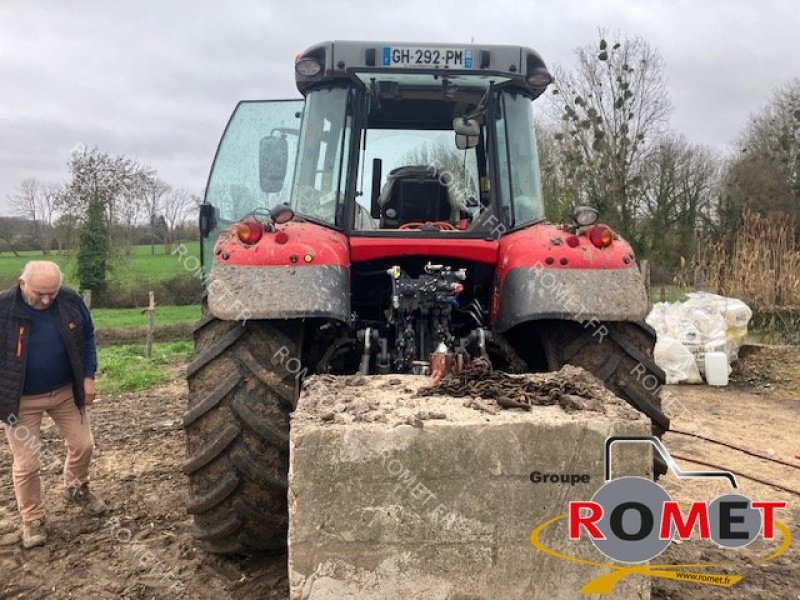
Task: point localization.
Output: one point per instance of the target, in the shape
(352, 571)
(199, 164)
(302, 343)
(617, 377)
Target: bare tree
(8, 234)
(135, 205)
(24, 198)
(117, 183)
(127, 216)
(97, 177)
(51, 196)
(766, 175)
(613, 106)
(679, 184)
(37, 201)
(178, 205)
(559, 195)
(98, 184)
(154, 202)
(66, 230)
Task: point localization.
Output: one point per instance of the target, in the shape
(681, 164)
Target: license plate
(409, 56)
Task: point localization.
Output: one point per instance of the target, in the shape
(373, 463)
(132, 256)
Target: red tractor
(392, 221)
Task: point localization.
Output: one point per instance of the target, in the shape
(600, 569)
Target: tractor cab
(391, 140)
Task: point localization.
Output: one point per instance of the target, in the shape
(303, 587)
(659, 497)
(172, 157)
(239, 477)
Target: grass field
(130, 318)
(139, 266)
(127, 369)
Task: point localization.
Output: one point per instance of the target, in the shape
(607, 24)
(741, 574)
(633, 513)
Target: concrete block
(443, 508)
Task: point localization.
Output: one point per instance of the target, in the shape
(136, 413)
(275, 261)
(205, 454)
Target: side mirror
(467, 132)
(467, 127)
(465, 142)
(273, 157)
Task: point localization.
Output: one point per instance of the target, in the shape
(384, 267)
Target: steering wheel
(420, 226)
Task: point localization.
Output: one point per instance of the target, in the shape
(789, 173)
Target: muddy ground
(759, 411)
(144, 549)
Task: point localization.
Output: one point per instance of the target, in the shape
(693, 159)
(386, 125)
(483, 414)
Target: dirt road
(144, 549)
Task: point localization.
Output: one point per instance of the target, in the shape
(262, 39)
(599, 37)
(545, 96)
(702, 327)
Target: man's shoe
(90, 503)
(33, 534)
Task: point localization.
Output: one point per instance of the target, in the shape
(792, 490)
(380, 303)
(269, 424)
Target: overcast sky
(157, 81)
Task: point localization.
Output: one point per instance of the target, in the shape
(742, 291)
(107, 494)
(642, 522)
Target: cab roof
(349, 60)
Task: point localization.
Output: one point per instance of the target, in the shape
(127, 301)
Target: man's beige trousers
(25, 442)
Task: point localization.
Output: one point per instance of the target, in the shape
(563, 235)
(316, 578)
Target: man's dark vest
(15, 332)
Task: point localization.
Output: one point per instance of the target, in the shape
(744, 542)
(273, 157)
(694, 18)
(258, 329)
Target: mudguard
(303, 272)
(541, 276)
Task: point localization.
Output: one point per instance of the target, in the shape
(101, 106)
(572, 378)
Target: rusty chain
(479, 380)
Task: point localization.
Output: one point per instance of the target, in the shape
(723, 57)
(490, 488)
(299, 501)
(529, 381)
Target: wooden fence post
(151, 323)
(87, 298)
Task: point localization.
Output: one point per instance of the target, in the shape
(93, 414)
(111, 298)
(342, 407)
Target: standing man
(47, 364)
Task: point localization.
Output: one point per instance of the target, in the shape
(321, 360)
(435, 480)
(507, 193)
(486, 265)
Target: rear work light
(584, 216)
(307, 67)
(250, 231)
(601, 236)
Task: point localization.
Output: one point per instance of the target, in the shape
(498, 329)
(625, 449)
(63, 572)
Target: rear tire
(622, 359)
(237, 434)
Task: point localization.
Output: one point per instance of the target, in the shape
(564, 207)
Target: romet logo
(632, 520)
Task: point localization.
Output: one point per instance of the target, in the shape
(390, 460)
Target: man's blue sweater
(47, 367)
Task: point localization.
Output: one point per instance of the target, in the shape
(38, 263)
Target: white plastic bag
(703, 323)
(676, 360)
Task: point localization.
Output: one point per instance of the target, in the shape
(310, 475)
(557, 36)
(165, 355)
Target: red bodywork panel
(545, 245)
(538, 243)
(363, 249)
(309, 244)
(323, 245)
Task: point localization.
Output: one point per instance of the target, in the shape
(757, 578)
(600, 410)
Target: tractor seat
(414, 194)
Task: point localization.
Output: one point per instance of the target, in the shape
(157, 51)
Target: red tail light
(601, 236)
(250, 231)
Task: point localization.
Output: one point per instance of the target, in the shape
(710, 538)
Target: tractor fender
(303, 273)
(541, 276)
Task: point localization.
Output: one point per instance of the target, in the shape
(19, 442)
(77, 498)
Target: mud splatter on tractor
(391, 221)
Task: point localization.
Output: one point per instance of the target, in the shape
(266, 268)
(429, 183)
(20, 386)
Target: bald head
(40, 282)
